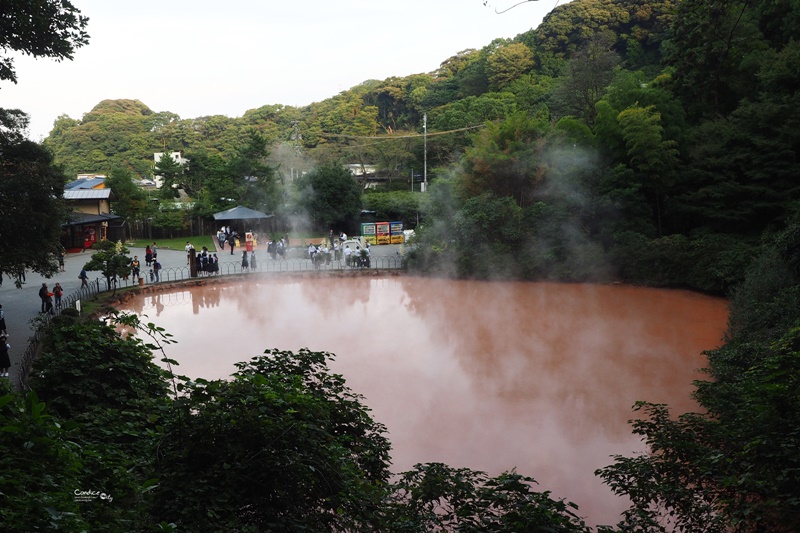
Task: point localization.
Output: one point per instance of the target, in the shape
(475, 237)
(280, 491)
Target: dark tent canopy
(241, 213)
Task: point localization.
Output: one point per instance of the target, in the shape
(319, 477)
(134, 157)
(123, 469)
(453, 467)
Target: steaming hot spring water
(490, 376)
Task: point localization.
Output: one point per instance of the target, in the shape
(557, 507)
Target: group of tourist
(206, 263)
(47, 297)
(229, 236)
(151, 261)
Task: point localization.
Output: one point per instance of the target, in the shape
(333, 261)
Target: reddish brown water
(490, 376)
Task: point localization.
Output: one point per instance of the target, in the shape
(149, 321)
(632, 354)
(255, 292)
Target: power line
(390, 137)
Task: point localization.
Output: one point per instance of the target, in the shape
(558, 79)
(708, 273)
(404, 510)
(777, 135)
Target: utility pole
(425, 152)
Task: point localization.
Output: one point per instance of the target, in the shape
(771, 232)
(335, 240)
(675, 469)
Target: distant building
(91, 219)
(87, 181)
(91, 176)
(361, 170)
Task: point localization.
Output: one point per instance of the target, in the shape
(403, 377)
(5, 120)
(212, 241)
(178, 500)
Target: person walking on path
(83, 276)
(5, 360)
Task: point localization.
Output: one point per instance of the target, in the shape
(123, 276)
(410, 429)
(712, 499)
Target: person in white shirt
(188, 249)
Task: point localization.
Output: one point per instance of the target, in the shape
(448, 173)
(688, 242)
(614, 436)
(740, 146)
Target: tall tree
(170, 172)
(503, 159)
(249, 168)
(31, 188)
(588, 74)
(31, 201)
(713, 50)
(651, 155)
(131, 202)
(507, 63)
(329, 198)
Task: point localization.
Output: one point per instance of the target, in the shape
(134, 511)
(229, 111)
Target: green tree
(733, 467)
(39, 467)
(51, 28)
(257, 180)
(503, 159)
(507, 63)
(31, 201)
(587, 76)
(437, 497)
(171, 173)
(713, 50)
(394, 205)
(212, 186)
(112, 260)
(329, 196)
(132, 203)
(283, 445)
(651, 155)
(105, 386)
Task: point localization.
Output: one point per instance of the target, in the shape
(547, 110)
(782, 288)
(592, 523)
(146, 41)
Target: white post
(425, 152)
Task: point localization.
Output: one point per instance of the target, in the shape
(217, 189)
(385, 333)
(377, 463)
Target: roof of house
(76, 218)
(88, 194)
(240, 213)
(90, 183)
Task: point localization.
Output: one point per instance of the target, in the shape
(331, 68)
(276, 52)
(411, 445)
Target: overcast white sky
(198, 57)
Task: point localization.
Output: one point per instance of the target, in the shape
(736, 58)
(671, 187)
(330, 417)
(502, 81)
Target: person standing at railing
(188, 249)
(156, 269)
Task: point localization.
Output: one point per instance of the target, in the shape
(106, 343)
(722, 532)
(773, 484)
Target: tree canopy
(31, 186)
(50, 28)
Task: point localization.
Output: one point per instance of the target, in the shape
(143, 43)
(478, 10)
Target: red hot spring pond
(490, 376)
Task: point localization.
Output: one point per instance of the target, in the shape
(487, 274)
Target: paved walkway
(22, 305)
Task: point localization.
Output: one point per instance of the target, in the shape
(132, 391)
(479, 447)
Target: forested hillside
(650, 141)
